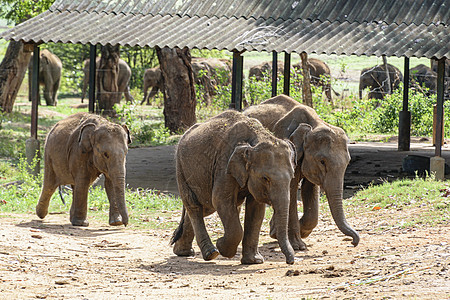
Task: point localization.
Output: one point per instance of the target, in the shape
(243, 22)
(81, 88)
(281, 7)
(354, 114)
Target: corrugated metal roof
(418, 28)
(360, 11)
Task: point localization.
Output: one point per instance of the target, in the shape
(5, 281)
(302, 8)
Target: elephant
(77, 150)
(320, 76)
(153, 79)
(374, 78)
(264, 69)
(123, 80)
(424, 76)
(50, 68)
(322, 158)
(434, 66)
(210, 73)
(219, 164)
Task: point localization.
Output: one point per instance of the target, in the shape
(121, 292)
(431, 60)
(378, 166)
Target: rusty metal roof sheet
(417, 28)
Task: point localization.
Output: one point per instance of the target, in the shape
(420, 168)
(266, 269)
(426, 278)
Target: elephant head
(267, 169)
(322, 156)
(108, 146)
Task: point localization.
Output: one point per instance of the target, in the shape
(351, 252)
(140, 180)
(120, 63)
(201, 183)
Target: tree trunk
(12, 72)
(306, 86)
(388, 88)
(107, 78)
(178, 88)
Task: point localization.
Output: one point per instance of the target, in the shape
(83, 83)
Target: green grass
(419, 201)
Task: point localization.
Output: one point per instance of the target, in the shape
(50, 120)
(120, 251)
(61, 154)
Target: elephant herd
(423, 79)
(209, 73)
(257, 157)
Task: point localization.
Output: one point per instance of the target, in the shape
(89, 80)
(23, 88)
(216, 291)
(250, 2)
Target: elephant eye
(266, 179)
(322, 162)
(105, 154)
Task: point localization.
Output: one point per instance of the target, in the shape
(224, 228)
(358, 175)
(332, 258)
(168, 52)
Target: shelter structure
(408, 28)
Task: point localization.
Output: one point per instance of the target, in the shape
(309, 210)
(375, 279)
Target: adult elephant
(77, 150)
(262, 70)
(322, 158)
(320, 76)
(152, 79)
(122, 82)
(221, 162)
(50, 68)
(424, 76)
(211, 73)
(374, 78)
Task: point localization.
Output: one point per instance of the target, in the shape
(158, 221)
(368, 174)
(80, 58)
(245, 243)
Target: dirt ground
(50, 259)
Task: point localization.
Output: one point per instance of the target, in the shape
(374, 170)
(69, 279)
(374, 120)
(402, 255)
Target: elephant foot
(41, 211)
(251, 259)
(83, 223)
(116, 221)
(304, 233)
(210, 254)
(179, 251)
(298, 244)
(225, 249)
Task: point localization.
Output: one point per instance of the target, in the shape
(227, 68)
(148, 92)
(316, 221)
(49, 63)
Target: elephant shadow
(67, 229)
(195, 265)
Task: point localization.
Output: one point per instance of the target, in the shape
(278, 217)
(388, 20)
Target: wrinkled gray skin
(152, 79)
(322, 158)
(375, 79)
(122, 81)
(77, 150)
(220, 163)
(320, 75)
(50, 68)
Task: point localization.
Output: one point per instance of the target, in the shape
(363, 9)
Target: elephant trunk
(115, 188)
(337, 211)
(281, 211)
(120, 201)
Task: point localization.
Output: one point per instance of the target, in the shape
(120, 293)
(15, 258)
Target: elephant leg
(127, 93)
(183, 244)
(48, 189)
(254, 216)
(327, 89)
(233, 233)
(55, 92)
(153, 93)
(78, 209)
(310, 198)
(115, 219)
(209, 251)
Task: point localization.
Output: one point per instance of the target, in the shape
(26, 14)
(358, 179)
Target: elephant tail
(179, 231)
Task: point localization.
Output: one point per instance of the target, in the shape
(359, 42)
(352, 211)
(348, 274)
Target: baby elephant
(77, 150)
(220, 163)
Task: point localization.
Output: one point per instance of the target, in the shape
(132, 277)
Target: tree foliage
(17, 11)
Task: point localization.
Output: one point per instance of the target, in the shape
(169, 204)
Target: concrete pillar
(437, 167)
(33, 153)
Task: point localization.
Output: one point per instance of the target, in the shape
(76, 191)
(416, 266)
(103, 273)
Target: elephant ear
(298, 138)
(125, 127)
(287, 124)
(85, 137)
(238, 164)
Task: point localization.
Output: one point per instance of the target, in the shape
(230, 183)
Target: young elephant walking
(322, 158)
(77, 150)
(220, 163)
